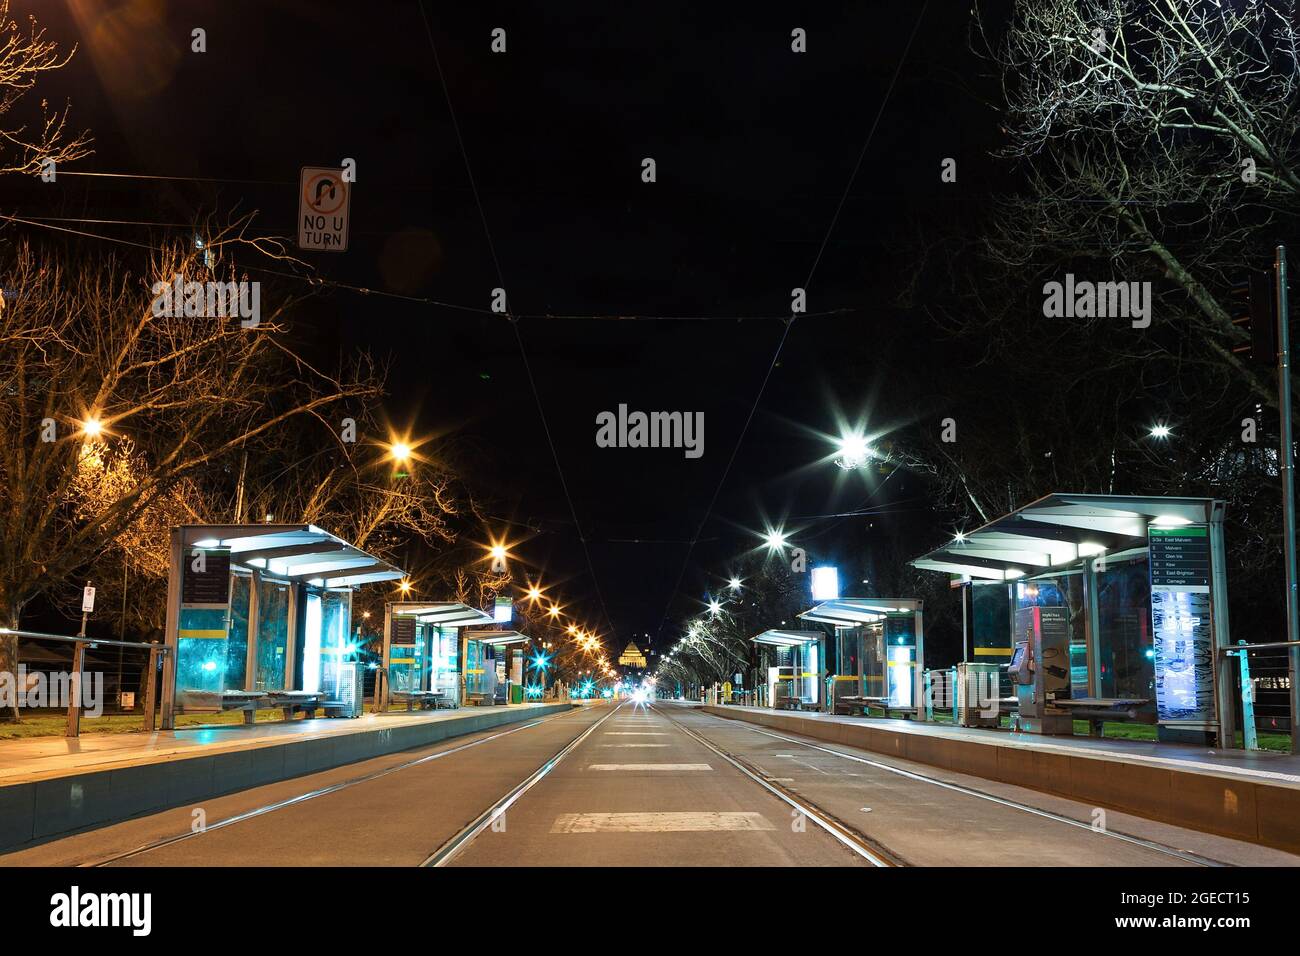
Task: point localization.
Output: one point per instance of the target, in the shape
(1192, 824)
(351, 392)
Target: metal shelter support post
(150, 694)
(254, 629)
(1092, 636)
(1092, 626)
(171, 635)
(918, 626)
(383, 693)
(1225, 711)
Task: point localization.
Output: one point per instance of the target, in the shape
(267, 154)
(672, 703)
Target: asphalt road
(638, 786)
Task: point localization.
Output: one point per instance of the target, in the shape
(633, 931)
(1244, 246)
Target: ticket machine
(1040, 669)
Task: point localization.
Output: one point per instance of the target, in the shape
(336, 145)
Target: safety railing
(76, 673)
(1265, 688)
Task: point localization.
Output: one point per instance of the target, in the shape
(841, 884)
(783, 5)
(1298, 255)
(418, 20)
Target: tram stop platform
(52, 786)
(1247, 795)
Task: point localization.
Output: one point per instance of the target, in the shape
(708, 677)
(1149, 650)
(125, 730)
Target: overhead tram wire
(785, 334)
(321, 282)
(514, 321)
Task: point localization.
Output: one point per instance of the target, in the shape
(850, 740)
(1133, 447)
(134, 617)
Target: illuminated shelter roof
(497, 638)
(445, 613)
(1057, 531)
(848, 612)
(782, 638)
(298, 552)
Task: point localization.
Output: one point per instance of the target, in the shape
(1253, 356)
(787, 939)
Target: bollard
(1249, 734)
(150, 678)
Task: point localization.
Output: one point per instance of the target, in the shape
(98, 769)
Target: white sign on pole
(323, 202)
(87, 599)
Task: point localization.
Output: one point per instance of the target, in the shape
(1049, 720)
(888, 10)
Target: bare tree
(1159, 139)
(28, 145)
(86, 359)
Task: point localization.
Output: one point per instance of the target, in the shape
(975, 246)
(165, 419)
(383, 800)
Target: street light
(1160, 431)
(734, 584)
(855, 451)
(92, 427)
(774, 539)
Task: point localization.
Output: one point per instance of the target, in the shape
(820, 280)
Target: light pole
(1286, 465)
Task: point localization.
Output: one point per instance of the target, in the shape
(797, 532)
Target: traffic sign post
(324, 199)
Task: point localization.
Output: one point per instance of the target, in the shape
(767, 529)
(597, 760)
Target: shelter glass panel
(1062, 590)
(1125, 645)
(237, 643)
(272, 634)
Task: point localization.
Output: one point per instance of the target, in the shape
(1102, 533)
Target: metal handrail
(162, 648)
(80, 643)
(1256, 647)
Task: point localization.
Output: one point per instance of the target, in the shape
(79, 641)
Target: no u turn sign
(323, 201)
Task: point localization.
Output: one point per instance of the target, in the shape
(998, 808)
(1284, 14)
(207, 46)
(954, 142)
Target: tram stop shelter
(500, 654)
(792, 662)
(878, 651)
(427, 661)
(1128, 594)
(260, 615)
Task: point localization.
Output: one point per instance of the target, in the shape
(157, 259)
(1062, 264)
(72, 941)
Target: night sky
(755, 148)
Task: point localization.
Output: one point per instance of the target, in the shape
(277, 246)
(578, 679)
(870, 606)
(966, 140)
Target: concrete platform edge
(41, 810)
(1255, 811)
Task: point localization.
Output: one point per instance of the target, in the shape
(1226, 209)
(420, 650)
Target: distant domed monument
(632, 656)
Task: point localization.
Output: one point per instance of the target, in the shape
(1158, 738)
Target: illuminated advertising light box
(825, 584)
(504, 610)
(1181, 624)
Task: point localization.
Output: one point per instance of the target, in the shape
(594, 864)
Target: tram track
(301, 798)
(1107, 833)
(445, 853)
(853, 839)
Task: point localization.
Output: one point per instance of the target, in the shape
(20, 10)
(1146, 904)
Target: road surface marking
(634, 733)
(649, 766)
(658, 822)
(634, 745)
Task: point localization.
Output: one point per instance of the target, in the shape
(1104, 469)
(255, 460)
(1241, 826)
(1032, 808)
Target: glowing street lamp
(1160, 431)
(92, 427)
(734, 584)
(775, 539)
(854, 451)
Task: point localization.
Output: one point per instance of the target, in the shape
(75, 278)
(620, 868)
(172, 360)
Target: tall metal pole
(1287, 467)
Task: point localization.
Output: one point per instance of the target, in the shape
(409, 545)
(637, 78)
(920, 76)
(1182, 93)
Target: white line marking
(634, 745)
(649, 766)
(658, 822)
(634, 733)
